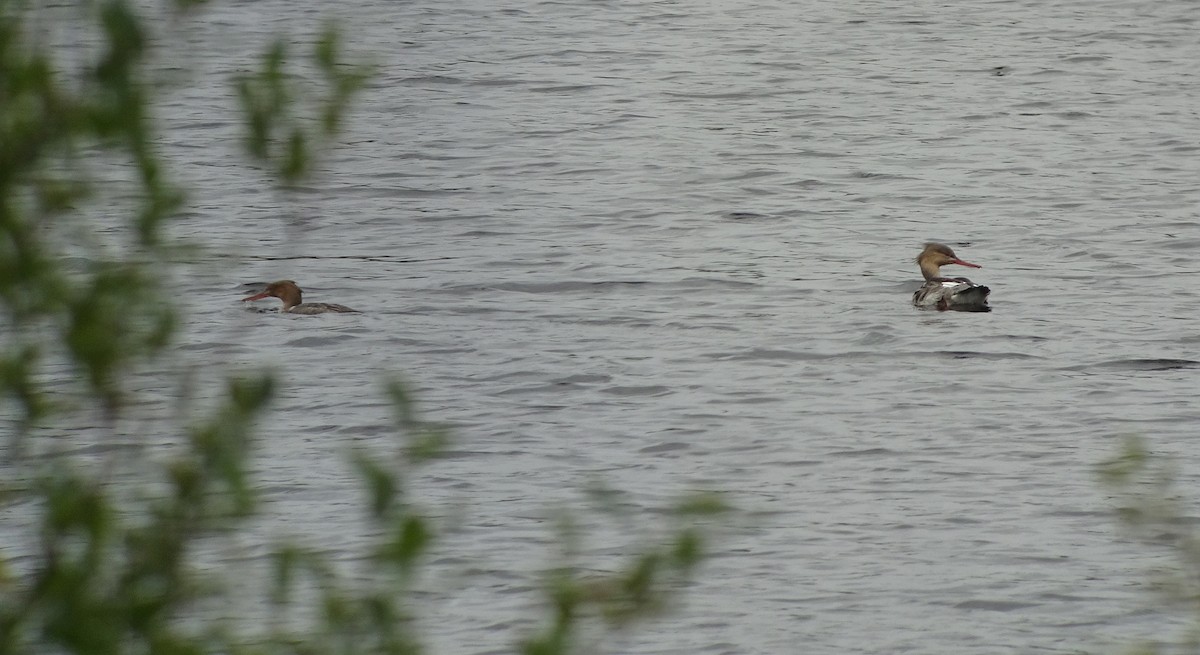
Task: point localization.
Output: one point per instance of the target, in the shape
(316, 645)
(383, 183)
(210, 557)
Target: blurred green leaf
(17, 378)
(381, 484)
(410, 538)
(126, 44)
(285, 560)
(402, 404)
(428, 442)
(326, 51)
(689, 548)
(702, 504)
(1131, 461)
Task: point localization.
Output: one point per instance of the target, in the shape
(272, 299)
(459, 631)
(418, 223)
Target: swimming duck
(947, 292)
(292, 297)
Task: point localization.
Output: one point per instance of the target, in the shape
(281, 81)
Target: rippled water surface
(670, 246)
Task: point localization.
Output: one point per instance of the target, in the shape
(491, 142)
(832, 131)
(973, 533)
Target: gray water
(670, 246)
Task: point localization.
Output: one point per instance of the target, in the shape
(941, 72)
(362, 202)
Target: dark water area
(670, 246)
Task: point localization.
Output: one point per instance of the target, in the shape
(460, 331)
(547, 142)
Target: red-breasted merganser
(947, 292)
(290, 294)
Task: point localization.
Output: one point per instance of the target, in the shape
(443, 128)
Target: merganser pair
(290, 294)
(957, 293)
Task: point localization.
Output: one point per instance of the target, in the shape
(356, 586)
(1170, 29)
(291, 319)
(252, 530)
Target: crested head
(285, 290)
(936, 251)
(936, 255)
(274, 288)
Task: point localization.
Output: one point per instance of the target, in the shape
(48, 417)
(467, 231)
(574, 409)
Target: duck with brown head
(939, 292)
(292, 297)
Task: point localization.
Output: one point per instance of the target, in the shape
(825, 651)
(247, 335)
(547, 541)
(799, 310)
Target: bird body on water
(293, 300)
(939, 292)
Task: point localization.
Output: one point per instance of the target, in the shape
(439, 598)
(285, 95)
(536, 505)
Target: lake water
(670, 245)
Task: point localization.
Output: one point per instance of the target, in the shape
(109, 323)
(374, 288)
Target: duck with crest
(292, 297)
(939, 292)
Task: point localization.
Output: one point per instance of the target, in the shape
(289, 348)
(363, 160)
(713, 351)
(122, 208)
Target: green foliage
(109, 315)
(108, 563)
(426, 440)
(110, 577)
(641, 589)
(1150, 506)
(277, 135)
